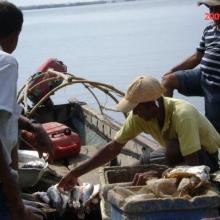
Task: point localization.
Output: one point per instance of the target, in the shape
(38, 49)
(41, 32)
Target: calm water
(112, 43)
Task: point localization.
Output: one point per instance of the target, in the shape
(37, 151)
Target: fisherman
(11, 205)
(205, 80)
(187, 135)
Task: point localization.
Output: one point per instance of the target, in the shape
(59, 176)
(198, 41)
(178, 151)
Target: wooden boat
(94, 126)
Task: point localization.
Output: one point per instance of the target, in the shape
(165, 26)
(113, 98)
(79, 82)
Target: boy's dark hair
(11, 19)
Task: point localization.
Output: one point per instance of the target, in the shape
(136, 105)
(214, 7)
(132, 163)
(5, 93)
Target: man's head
(214, 8)
(11, 20)
(141, 97)
(209, 2)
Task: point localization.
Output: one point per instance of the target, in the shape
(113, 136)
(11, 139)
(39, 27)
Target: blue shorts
(189, 81)
(4, 211)
(193, 83)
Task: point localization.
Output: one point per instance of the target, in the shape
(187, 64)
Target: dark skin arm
(170, 80)
(174, 156)
(192, 159)
(43, 142)
(12, 192)
(189, 63)
(14, 156)
(141, 178)
(104, 155)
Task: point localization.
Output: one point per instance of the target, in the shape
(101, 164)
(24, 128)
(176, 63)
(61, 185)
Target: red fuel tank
(65, 142)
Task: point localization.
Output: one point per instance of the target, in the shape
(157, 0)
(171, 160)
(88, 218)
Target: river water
(112, 43)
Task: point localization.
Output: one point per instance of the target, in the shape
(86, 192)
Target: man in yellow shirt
(188, 137)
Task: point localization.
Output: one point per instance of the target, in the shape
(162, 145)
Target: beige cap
(209, 2)
(142, 89)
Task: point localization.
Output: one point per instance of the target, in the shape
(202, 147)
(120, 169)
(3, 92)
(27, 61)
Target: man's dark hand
(141, 178)
(43, 142)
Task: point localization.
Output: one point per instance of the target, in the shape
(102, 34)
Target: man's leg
(212, 112)
(187, 82)
(174, 156)
(212, 102)
(170, 82)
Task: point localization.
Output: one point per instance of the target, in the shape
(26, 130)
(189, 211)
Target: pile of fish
(80, 198)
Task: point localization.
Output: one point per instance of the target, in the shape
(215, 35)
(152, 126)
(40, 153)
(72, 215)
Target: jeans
(193, 83)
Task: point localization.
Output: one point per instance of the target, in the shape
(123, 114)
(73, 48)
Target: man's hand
(141, 178)
(43, 142)
(167, 73)
(35, 135)
(67, 182)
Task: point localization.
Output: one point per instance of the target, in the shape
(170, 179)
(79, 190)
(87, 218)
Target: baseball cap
(209, 2)
(142, 89)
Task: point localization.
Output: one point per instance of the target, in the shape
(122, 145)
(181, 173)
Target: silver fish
(35, 204)
(58, 200)
(55, 197)
(86, 192)
(74, 198)
(95, 193)
(42, 196)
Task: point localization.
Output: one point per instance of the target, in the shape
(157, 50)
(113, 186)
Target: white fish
(59, 200)
(202, 172)
(55, 197)
(86, 192)
(96, 191)
(74, 198)
(42, 196)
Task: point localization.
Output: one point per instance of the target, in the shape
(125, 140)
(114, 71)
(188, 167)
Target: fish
(86, 192)
(54, 196)
(35, 204)
(74, 198)
(95, 193)
(202, 172)
(58, 200)
(95, 196)
(42, 196)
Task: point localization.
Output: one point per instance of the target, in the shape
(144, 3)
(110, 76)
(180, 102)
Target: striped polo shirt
(210, 46)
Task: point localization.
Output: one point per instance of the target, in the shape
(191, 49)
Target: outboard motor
(39, 86)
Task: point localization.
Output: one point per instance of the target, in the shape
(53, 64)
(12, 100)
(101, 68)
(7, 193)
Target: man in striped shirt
(205, 80)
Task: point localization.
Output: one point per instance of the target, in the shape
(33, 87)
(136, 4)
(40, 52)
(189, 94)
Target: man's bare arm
(104, 155)
(189, 63)
(192, 159)
(10, 185)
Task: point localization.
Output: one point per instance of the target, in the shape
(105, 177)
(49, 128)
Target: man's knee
(170, 82)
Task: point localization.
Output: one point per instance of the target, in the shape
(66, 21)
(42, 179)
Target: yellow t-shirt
(182, 122)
